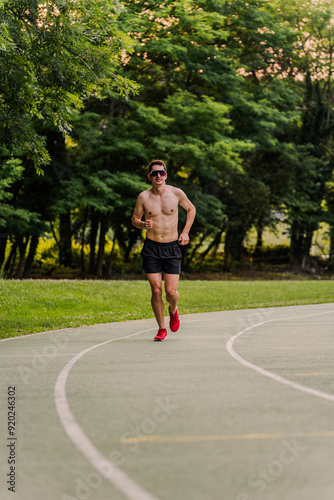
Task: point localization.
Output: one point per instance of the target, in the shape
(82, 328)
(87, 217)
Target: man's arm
(191, 213)
(138, 214)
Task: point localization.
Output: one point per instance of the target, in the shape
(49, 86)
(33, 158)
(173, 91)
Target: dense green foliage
(235, 96)
(35, 305)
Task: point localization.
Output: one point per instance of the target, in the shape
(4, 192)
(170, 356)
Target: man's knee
(171, 294)
(156, 291)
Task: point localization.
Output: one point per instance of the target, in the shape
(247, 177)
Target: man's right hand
(148, 223)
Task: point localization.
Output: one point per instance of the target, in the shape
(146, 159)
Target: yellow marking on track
(314, 374)
(157, 438)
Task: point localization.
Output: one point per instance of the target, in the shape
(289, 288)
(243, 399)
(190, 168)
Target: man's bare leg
(172, 295)
(158, 306)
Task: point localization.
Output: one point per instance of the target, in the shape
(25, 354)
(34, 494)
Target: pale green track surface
(183, 419)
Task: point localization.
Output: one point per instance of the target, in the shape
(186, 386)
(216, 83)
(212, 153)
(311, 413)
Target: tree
(178, 114)
(53, 55)
(17, 223)
(235, 96)
(312, 64)
(198, 111)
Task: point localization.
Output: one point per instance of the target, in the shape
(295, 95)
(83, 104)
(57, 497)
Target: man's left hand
(184, 238)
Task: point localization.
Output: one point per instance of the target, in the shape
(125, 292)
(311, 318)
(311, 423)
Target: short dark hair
(159, 163)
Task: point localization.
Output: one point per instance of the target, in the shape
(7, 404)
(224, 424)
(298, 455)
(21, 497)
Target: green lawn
(35, 306)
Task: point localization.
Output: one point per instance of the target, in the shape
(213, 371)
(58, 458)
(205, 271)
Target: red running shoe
(174, 322)
(161, 335)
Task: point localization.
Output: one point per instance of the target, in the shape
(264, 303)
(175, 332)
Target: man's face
(157, 176)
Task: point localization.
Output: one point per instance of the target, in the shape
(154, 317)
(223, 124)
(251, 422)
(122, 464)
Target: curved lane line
(107, 469)
(266, 373)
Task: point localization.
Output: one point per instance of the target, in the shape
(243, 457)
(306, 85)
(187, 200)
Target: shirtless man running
(161, 252)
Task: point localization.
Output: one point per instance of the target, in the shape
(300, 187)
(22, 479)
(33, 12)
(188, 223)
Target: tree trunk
(10, 262)
(82, 251)
(22, 251)
(301, 243)
(296, 245)
(132, 239)
(102, 242)
(111, 257)
(189, 258)
(331, 249)
(233, 245)
(307, 248)
(31, 255)
(65, 240)
(259, 242)
(3, 245)
(94, 225)
(214, 243)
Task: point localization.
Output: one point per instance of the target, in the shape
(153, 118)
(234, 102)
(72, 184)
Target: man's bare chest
(164, 205)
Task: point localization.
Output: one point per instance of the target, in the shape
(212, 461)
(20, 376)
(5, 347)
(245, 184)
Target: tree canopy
(235, 96)
(53, 56)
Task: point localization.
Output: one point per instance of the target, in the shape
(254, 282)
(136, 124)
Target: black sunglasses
(154, 173)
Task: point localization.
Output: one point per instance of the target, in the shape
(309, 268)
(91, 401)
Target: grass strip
(41, 305)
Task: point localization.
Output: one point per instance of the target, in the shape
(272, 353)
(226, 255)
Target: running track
(237, 405)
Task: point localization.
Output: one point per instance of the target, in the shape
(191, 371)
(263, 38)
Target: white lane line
(274, 376)
(107, 469)
(31, 335)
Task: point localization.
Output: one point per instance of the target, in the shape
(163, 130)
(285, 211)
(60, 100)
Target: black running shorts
(165, 257)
